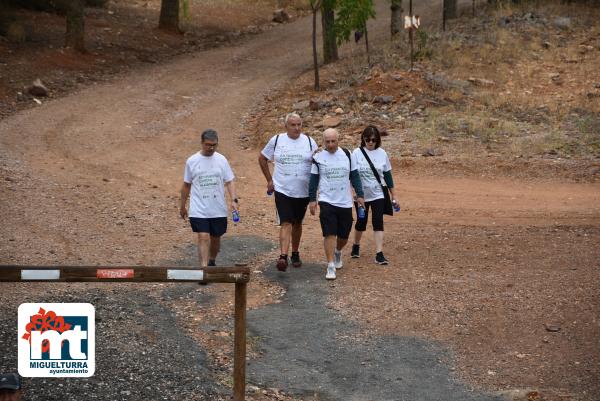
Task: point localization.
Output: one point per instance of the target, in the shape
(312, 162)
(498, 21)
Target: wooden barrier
(110, 274)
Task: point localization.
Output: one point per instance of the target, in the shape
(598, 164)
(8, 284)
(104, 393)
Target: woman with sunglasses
(370, 147)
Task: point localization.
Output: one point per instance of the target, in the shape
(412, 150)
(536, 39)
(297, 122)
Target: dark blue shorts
(216, 226)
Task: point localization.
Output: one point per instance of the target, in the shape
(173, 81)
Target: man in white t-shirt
(332, 173)
(291, 152)
(207, 175)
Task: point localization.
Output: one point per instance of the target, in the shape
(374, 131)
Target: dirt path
(93, 179)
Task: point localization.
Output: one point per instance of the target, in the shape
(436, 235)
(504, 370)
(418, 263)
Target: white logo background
(80, 364)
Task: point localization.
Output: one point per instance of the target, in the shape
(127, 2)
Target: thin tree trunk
(169, 15)
(75, 34)
(367, 45)
(396, 20)
(450, 9)
(330, 50)
(314, 45)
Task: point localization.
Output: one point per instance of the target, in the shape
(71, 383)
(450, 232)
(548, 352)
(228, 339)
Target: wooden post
(239, 352)
(239, 275)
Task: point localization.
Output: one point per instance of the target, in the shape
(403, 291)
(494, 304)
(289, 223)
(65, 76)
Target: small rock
(331, 121)
(481, 81)
(315, 104)
(432, 152)
(304, 104)
(383, 99)
(280, 16)
(562, 22)
(553, 328)
(37, 88)
(339, 110)
(546, 45)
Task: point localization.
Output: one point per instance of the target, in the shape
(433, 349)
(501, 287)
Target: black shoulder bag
(387, 202)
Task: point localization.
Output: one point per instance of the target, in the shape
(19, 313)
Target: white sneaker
(330, 272)
(337, 259)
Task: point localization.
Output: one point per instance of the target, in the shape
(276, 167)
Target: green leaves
(352, 15)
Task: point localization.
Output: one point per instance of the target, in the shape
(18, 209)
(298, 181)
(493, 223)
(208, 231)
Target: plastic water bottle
(396, 205)
(361, 212)
(235, 216)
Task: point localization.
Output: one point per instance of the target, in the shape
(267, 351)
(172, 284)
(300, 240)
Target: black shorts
(376, 207)
(290, 210)
(216, 226)
(335, 220)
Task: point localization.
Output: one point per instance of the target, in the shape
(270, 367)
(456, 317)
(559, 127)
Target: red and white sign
(114, 273)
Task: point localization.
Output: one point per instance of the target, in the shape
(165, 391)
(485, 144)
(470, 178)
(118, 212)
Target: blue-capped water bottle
(361, 212)
(235, 216)
(396, 205)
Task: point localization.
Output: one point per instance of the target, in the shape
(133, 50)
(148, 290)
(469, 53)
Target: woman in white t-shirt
(370, 147)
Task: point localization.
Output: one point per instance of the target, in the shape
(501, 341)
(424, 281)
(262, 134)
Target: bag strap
(347, 152)
(375, 173)
(309, 142)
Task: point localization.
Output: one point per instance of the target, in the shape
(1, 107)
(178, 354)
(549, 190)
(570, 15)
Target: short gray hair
(209, 134)
(291, 115)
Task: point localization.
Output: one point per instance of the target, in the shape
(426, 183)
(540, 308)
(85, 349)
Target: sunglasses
(370, 140)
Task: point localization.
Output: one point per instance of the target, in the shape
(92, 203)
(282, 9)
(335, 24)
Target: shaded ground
(311, 351)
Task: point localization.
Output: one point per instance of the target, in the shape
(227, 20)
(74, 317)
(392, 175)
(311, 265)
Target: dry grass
(545, 82)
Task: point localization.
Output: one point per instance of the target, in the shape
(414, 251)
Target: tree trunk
(396, 20)
(367, 45)
(75, 34)
(330, 50)
(169, 15)
(314, 46)
(450, 9)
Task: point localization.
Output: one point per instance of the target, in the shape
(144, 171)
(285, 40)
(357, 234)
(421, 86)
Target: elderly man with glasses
(207, 175)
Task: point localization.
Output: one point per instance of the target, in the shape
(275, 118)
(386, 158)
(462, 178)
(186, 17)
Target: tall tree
(396, 20)
(353, 16)
(169, 15)
(330, 50)
(314, 6)
(75, 33)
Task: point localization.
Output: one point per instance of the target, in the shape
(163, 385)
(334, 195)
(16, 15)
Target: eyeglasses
(370, 140)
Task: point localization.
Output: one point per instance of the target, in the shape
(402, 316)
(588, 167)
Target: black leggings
(377, 216)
